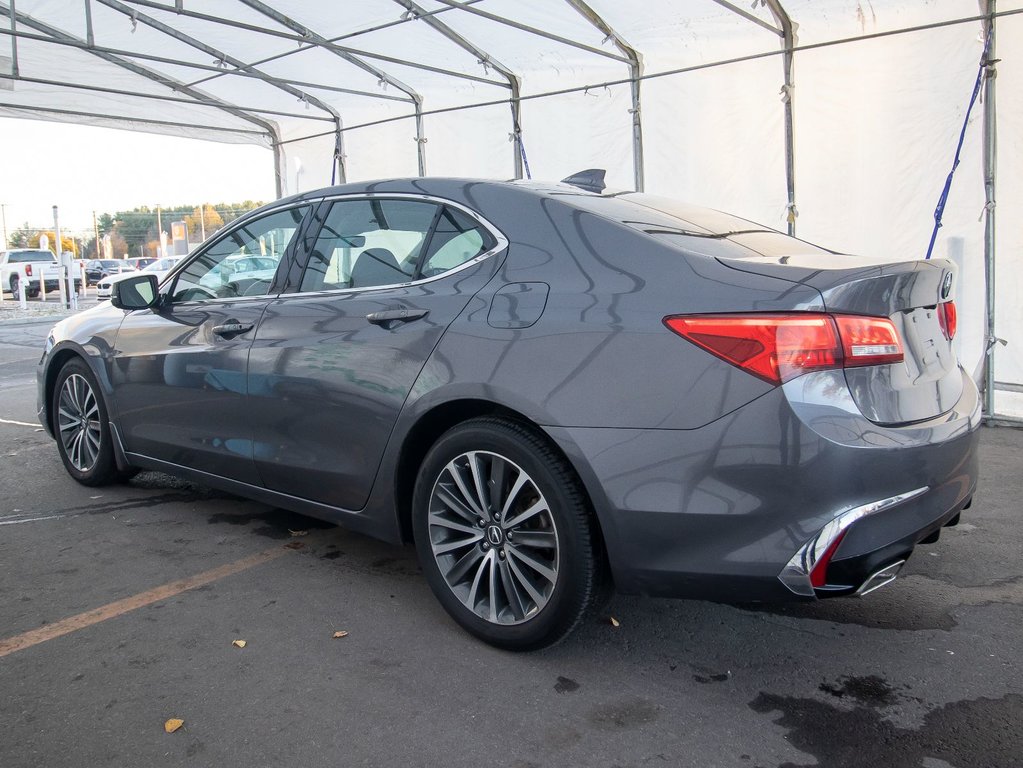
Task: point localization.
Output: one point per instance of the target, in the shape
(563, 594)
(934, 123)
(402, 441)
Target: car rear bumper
(720, 512)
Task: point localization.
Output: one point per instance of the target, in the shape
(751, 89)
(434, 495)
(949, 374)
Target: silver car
(553, 390)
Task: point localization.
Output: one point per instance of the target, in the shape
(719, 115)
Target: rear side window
(367, 243)
(457, 239)
(26, 257)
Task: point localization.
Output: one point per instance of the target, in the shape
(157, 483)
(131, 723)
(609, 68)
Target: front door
(179, 370)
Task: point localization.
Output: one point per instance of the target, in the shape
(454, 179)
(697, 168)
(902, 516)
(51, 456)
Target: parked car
(159, 267)
(141, 261)
(97, 269)
(552, 391)
(33, 265)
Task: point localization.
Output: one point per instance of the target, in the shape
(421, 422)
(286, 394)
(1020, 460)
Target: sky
(83, 169)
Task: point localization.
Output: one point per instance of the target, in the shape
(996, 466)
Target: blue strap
(940, 210)
(522, 151)
(337, 159)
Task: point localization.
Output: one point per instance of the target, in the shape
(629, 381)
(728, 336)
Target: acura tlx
(554, 390)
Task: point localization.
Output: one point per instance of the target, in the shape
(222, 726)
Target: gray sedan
(553, 390)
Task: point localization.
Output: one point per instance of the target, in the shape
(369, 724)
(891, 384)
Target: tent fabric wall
(876, 115)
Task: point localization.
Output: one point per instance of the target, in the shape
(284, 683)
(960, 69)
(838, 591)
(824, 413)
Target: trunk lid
(928, 383)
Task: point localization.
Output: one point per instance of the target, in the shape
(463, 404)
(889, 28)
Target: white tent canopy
(835, 119)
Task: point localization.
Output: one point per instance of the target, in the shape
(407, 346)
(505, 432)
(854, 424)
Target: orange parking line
(119, 607)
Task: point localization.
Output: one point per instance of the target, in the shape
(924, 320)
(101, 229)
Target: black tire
(86, 450)
(519, 621)
(15, 280)
(31, 294)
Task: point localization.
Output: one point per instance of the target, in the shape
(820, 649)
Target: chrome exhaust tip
(880, 578)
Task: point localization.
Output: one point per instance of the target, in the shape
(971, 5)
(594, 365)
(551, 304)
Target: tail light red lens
(28, 270)
(779, 347)
(947, 319)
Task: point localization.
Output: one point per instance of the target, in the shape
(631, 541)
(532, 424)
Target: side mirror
(135, 292)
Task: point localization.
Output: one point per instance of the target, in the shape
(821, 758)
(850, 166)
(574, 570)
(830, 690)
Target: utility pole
(3, 213)
(202, 220)
(95, 229)
(159, 234)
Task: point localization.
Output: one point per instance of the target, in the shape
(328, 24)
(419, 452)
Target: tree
(68, 243)
(210, 218)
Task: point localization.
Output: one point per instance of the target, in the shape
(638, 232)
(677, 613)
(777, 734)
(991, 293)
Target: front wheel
(506, 536)
(82, 427)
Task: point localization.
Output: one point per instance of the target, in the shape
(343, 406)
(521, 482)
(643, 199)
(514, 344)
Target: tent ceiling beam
(750, 17)
(307, 98)
(533, 30)
(514, 83)
(126, 54)
(372, 69)
(319, 42)
(635, 76)
(127, 118)
(195, 101)
(338, 38)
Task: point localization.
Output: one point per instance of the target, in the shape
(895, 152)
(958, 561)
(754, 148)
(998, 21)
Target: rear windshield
(24, 257)
(694, 228)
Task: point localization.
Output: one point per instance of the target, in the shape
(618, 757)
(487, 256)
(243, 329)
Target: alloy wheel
(78, 422)
(493, 537)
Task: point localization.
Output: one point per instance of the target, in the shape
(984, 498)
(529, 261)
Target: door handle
(232, 328)
(403, 315)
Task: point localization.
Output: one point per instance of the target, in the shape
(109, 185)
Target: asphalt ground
(119, 605)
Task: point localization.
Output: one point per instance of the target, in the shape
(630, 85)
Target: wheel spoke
(444, 495)
(463, 566)
(493, 590)
(517, 486)
(470, 601)
(522, 579)
(538, 506)
(451, 546)
(511, 591)
(536, 565)
(456, 475)
(536, 539)
(436, 519)
(477, 481)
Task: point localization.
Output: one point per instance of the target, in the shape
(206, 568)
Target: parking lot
(119, 607)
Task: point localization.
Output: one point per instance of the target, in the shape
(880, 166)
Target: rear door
(178, 371)
(335, 358)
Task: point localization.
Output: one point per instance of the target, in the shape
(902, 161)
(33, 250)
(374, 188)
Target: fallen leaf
(173, 724)
(238, 643)
(294, 545)
(340, 633)
(615, 622)
(298, 533)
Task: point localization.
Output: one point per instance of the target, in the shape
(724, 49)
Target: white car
(160, 267)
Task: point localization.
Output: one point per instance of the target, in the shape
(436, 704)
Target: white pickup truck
(30, 265)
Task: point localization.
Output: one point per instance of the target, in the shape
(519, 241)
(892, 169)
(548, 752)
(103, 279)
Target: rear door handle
(232, 328)
(395, 316)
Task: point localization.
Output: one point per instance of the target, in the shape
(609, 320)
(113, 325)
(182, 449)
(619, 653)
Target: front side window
(243, 262)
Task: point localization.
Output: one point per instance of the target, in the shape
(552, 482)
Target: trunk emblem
(946, 286)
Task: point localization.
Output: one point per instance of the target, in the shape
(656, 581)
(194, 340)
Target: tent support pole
(635, 61)
(990, 158)
(788, 93)
(278, 164)
(420, 138)
(14, 40)
(486, 60)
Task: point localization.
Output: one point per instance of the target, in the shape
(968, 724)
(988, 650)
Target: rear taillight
(947, 319)
(28, 270)
(779, 347)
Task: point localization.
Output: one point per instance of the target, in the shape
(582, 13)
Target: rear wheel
(505, 535)
(82, 428)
